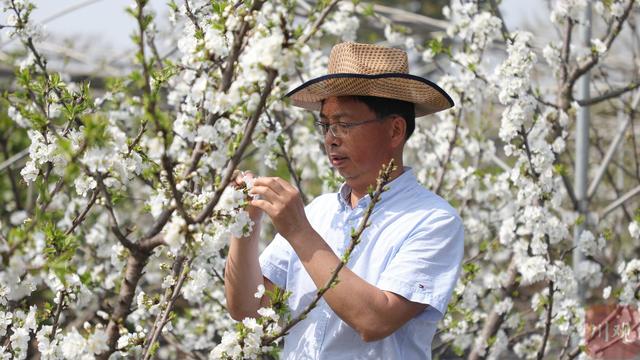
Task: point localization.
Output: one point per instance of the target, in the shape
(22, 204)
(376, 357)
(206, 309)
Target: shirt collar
(406, 179)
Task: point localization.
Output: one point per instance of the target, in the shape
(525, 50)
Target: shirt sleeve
(274, 261)
(426, 267)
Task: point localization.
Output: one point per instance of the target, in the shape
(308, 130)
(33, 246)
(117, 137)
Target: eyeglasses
(339, 129)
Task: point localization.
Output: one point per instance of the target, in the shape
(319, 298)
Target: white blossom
(588, 243)
(20, 341)
(533, 269)
(5, 321)
(617, 8)
(260, 292)
(343, 23)
(84, 183)
(193, 289)
(599, 47)
(634, 230)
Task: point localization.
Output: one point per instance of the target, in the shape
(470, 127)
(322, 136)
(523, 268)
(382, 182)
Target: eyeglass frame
(319, 125)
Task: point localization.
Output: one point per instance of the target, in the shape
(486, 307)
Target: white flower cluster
(343, 23)
(249, 344)
(609, 9)
(528, 348)
(589, 245)
(42, 151)
(513, 78)
(567, 9)
(630, 279)
(113, 158)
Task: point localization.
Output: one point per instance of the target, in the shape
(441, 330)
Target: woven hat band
(367, 59)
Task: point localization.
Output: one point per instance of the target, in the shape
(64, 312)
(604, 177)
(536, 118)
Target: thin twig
(167, 310)
(234, 52)
(115, 228)
(594, 58)
(609, 95)
(566, 50)
(80, 218)
(444, 164)
(494, 320)
(547, 325)
(56, 317)
(503, 25)
(12, 176)
(14, 159)
(177, 194)
(316, 25)
(289, 161)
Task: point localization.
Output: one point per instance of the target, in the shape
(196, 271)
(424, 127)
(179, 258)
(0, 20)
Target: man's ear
(398, 130)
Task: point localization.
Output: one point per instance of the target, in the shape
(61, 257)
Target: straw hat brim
(427, 96)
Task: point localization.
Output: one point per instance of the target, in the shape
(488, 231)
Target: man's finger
(286, 185)
(265, 192)
(264, 205)
(271, 182)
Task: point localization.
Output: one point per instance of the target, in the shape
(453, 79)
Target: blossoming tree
(113, 233)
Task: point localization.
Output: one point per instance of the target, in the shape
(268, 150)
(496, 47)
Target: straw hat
(371, 70)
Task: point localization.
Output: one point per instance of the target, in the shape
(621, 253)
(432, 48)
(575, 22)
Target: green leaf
(95, 129)
(368, 10)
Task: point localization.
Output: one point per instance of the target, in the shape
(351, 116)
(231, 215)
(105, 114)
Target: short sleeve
(274, 261)
(426, 267)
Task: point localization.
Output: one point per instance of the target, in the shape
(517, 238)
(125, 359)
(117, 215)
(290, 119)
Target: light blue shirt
(413, 248)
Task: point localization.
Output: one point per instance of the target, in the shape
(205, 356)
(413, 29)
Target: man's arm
(372, 312)
(242, 273)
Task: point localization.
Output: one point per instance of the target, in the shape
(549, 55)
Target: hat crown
(356, 58)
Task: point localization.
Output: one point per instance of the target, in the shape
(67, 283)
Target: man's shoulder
(424, 201)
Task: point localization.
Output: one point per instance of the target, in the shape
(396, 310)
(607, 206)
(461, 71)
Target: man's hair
(383, 107)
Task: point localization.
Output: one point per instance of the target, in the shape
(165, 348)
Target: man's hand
(242, 179)
(282, 202)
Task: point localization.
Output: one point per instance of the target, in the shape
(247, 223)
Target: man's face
(359, 155)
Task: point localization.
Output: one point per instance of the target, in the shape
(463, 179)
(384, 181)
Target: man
(399, 279)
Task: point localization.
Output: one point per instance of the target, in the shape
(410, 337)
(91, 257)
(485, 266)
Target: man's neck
(359, 193)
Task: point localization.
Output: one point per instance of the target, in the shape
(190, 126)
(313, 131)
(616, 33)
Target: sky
(107, 23)
(105, 28)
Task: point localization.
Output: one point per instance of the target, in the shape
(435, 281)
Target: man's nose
(331, 140)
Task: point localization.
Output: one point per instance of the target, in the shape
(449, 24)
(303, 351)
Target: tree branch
(177, 195)
(547, 325)
(609, 95)
(246, 140)
(134, 268)
(494, 320)
(594, 58)
(14, 159)
(115, 228)
(80, 218)
(56, 317)
(316, 25)
(444, 164)
(234, 52)
(164, 315)
(289, 162)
